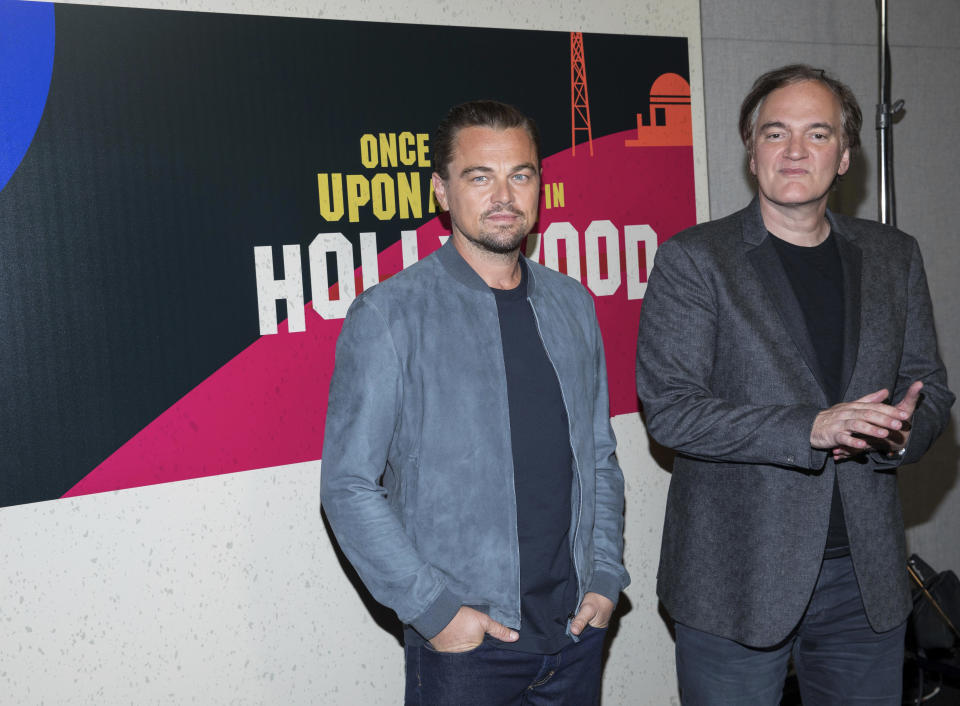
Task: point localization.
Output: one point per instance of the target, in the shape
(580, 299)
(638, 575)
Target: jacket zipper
(573, 452)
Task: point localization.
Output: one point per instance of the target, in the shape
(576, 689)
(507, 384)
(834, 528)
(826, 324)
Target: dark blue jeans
(839, 659)
(492, 676)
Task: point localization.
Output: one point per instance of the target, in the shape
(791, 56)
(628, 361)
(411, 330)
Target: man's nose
(796, 147)
(502, 191)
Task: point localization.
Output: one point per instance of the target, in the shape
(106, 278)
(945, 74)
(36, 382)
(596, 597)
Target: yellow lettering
(368, 151)
(408, 191)
(422, 149)
(330, 208)
(557, 189)
(384, 201)
(553, 195)
(358, 194)
(408, 156)
(388, 149)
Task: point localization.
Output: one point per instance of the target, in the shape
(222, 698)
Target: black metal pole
(885, 113)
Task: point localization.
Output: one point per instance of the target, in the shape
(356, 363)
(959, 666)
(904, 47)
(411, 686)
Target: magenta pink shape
(267, 406)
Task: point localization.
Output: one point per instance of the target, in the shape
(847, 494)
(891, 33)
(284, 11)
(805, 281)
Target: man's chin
(500, 244)
(798, 199)
(501, 248)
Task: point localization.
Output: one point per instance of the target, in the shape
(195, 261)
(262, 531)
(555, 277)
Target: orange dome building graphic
(669, 115)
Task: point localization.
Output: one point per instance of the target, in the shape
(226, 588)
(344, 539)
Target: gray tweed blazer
(729, 379)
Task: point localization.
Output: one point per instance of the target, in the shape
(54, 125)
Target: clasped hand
(851, 428)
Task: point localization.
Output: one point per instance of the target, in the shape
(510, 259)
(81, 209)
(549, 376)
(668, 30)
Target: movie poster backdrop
(190, 201)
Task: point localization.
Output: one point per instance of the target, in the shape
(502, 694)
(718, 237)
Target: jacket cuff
(438, 615)
(818, 458)
(607, 585)
(885, 461)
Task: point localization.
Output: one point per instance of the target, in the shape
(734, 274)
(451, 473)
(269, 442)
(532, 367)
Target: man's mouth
(502, 215)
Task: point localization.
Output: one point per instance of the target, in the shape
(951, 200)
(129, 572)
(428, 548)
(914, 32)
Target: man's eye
(521, 177)
(819, 136)
(773, 135)
(479, 180)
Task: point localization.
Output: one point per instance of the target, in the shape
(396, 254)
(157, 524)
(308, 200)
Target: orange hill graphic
(669, 115)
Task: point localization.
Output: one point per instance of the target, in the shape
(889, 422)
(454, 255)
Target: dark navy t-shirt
(543, 477)
(816, 275)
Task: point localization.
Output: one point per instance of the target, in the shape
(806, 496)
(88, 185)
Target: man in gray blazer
(788, 355)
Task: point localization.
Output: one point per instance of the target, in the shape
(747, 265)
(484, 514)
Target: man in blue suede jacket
(469, 471)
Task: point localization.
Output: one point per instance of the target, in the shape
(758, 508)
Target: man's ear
(440, 191)
(844, 162)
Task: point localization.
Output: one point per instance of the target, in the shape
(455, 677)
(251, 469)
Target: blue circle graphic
(26, 65)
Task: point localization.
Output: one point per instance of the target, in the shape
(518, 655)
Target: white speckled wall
(743, 39)
(226, 590)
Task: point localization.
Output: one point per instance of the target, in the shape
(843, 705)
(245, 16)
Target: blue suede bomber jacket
(417, 476)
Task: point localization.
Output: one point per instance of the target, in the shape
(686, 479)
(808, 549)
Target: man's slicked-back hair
(850, 116)
(481, 113)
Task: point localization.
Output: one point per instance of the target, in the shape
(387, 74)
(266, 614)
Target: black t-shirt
(816, 275)
(543, 477)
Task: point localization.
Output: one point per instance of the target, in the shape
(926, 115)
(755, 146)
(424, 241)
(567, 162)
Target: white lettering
(321, 248)
(633, 236)
(551, 248)
(270, 290)
(409, 247)
(369, 265)
(290, 287)
(602, 286)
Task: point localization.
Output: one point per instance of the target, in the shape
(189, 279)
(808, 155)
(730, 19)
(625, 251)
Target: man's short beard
(500, 247)
(489, 241)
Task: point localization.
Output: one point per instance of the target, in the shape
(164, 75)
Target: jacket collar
(460, 270)
(767, 264)
(755, 232)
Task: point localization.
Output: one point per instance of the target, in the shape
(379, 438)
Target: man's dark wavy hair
(851, 118)
(480, 113)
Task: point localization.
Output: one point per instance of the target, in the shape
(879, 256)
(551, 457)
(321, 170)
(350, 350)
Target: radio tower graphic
(579, 98)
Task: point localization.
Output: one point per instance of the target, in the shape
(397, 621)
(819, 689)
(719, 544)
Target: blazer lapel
(851, 257)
